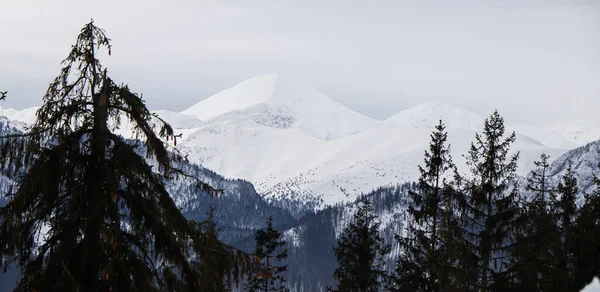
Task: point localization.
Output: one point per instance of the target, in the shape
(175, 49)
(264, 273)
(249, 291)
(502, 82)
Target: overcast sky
(535, 61)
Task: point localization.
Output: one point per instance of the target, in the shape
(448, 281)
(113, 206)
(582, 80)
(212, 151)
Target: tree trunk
(98, 192)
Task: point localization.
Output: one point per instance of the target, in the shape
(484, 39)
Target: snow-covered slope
(292, 141)
(567, 136)
(585, 161)
(179, 120)
(271, 100)
(579, 132)
(384, 156)
(429, 113)
(26, 116)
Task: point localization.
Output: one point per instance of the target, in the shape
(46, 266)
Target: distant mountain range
(294, 143)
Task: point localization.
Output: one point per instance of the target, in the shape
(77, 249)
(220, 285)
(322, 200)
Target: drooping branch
(97, 199)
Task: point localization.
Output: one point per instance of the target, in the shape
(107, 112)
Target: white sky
(535, 61)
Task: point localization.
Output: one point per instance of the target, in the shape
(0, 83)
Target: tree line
(480, 231)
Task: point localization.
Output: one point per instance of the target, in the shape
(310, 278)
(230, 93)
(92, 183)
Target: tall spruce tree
(89, 213)
(360, 254)
(423, 264)
(270, 249)
(532, 254)
(488, 209)
(565, 211)
(213, 260)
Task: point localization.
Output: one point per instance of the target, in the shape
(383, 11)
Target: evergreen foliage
(539, 185)
(488, 210)
(586, 242)
(270, 249)
(565, 211)
(89, 213)
(423, 262)
(360, 254)
(532, 254)
(214, 262)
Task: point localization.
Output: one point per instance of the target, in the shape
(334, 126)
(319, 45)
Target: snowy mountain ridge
(293, 142)
(429, 113)
(25, 116)
(286, 103)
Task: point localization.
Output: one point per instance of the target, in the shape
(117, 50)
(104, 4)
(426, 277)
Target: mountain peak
(26, 116)
(429, 113)
(270, 96)
(271, 89)
(246, 93)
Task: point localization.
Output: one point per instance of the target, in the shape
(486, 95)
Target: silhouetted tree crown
(360, 252)
(270, 251)
(89, 213)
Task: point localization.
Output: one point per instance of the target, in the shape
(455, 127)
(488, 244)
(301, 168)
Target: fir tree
(89, 213)
(488, 209)
(270, 249)
(538, 183)
(360, 254)
(565, 211)
(532, 254)
(423, 264)
(213, 259)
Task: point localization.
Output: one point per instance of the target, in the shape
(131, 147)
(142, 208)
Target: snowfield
(292, 141)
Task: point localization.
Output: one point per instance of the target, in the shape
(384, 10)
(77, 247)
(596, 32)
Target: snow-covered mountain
(295, 143)
(26, 116)
(584, 160)
(566, 136)
(272, 101)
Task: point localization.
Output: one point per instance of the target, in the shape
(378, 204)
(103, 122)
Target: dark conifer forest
(86, 209)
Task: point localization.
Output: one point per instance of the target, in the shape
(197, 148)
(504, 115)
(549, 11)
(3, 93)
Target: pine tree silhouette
(270, 249)
(488, 209)
(89, 213)
(424, 261)
(565, 211)
(213, 260)
(532, 254)
(587, 238)
(360, 254)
